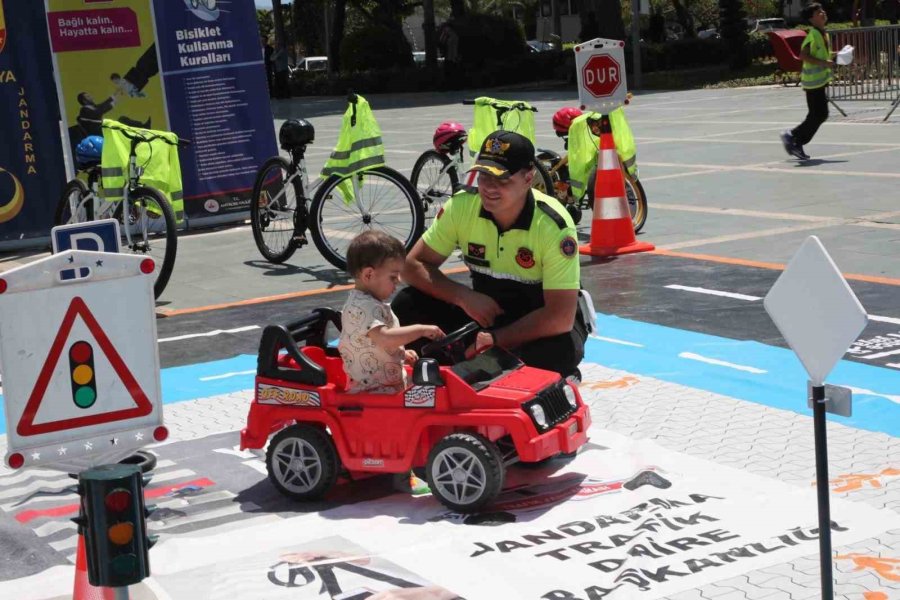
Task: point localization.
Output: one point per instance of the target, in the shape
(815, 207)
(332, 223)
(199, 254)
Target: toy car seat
(786, 44)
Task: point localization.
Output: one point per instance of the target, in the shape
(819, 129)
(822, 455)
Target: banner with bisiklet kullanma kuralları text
(32, 169)
(216, 91)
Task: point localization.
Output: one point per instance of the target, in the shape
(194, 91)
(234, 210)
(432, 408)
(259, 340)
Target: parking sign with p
(94, 236)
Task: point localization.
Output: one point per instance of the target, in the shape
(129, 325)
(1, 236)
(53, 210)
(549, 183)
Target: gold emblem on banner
(11, 207)
(2, 27)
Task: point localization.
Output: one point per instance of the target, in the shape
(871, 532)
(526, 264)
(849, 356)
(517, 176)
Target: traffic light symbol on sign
(81, 367)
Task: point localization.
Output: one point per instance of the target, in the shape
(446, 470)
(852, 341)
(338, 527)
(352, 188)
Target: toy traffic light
(114, 522)
(81, 367)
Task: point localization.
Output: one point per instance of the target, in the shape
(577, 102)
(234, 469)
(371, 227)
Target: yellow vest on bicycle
(158, 158)
(519, 118)
(584, 147)
(359, 146)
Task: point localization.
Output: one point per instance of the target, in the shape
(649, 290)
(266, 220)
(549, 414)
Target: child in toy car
(371, 343)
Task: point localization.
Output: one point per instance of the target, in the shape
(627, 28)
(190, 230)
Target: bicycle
(343, 204)
(435, 175)
(146, 219)
(575, 204)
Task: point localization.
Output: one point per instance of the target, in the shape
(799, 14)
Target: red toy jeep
(464, 423)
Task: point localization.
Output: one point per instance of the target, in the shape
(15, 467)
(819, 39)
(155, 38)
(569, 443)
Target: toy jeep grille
(554, 403)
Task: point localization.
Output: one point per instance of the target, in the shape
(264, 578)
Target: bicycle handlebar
(515, 106)
(149, 137)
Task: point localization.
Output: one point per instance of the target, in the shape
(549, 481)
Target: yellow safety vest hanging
(813, 76)
(158, 158)
(519, 118)
(584, 147)
(359, 146)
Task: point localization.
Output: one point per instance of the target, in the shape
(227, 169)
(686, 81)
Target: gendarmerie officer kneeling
(521, 249)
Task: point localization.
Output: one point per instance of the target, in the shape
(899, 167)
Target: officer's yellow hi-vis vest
(359, 146)
(158, 158)
(519, 118)
(584, 148)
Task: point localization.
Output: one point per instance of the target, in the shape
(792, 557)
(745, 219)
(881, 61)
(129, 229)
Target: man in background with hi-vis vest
(817, 64)
(522, 252)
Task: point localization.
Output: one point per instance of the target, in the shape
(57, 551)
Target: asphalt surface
(727, 211)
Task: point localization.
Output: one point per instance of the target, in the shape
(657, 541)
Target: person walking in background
(817, 64)
(268, 51)
(280, 66)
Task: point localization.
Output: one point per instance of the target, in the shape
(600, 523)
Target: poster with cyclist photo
(107, 65)
(213, 70)
(32, 172)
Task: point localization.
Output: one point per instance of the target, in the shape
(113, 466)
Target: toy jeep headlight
(537, 412)
(570, 395)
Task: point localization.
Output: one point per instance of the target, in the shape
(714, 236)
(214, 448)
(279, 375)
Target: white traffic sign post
(819, 316)
(600, 70)
(80, 360)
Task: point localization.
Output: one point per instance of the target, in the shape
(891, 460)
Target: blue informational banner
(32, 168)
(217, 97)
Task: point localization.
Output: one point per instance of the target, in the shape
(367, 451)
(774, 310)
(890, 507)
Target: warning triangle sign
(142, 405)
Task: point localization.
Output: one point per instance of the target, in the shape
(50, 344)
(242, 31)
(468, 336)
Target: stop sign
(601, 75)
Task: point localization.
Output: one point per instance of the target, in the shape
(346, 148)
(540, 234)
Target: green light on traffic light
(124, 565)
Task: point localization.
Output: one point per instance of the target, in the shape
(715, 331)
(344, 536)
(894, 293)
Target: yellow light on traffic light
(121, 533)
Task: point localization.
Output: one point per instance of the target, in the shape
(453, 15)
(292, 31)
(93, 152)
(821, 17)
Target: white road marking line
(700, 290)
(66, 544)
(53, 527)
(20, 504)
(737, 212)
(208, 333)
(40, 484)
(749, 235)
(893, 398)
(162, 525)
(615, 341)
(721, 363)
(891, 320)
(17, 477)
(880, 354)
(227, 375)
(895, 365)
(183, 501)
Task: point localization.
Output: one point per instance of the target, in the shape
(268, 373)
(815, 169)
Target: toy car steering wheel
(453, 345)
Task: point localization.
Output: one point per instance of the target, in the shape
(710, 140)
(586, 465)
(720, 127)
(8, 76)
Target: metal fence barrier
(874, 73)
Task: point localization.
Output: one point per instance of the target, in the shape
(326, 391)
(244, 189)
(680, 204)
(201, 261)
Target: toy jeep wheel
(302, 462)
(464, 471)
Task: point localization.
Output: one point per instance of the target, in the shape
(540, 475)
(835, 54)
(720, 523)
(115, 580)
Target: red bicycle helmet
(448, 136)
(562, 120)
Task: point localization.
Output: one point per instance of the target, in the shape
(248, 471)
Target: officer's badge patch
(568, 247)
(495, 146)
(525, 258)
(476, 250)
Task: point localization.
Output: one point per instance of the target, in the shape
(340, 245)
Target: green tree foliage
(375, 47)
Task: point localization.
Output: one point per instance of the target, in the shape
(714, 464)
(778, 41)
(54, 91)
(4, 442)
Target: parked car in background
(419, 58)
(313, 63)
(539, 46)
(768, 25)
(709, 34)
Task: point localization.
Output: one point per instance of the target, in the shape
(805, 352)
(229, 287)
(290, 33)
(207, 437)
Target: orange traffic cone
(612, 231)
(83, 589)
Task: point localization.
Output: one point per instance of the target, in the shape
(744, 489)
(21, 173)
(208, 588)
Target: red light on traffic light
(118, 500)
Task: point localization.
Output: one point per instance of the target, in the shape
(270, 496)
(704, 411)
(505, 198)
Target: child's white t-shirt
(369, 367)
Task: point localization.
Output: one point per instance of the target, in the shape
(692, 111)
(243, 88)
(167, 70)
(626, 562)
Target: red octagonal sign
(601, 75)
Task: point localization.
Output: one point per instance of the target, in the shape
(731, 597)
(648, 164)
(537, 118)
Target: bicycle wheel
(637, 199)
(150, 223)
(385, 200)
(272, 210)
(542, 181)
(434, 184)
(69, 208)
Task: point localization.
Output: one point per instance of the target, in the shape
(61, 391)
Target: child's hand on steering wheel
(483, 341)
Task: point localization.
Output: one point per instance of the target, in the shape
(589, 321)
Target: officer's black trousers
(560, 353)
(817, 103)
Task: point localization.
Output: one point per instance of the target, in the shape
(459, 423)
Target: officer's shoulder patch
(548, 210)
(568, 246)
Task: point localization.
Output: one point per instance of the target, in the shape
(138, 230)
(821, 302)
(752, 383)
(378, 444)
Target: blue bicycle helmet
(89, 149)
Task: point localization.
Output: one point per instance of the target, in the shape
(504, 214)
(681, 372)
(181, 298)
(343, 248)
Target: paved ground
(727, 211)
